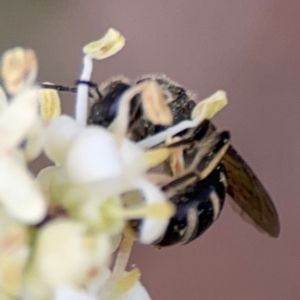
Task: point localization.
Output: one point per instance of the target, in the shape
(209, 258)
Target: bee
(200, 192)
(208, 168)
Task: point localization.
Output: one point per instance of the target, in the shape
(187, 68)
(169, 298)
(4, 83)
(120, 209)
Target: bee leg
(209, 161)
(121, 123)
(176, 159)
(94, 92)
(159, 179)
(194, 135)
(120, 282)
(205, 155)
(123, 253)
(59, 88)
(198, 205)
(173, 187)
(204, 158)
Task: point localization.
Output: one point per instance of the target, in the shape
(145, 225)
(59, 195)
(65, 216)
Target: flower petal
(152, 228)
(46, 178)
(3, 100)
(96, 285)
(19, 193)
(11, 271)
(71, 293)
(14, 252)
(17, 119)
(34, 141)
(67, 255)
(94, 156)
(133, 158)
(58, 137)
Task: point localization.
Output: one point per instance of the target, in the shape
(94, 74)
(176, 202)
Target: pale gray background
(249, 48)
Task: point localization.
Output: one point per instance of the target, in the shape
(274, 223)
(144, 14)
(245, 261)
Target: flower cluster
(59, 230)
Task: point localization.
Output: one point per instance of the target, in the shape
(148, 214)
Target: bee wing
(204, 157)
(248, 194)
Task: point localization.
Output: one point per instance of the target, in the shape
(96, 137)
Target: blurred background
(251, 49)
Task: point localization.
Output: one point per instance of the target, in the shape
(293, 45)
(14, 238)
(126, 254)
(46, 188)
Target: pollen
(50, 105)
(112, 42)
(207, 108)
(155, 105)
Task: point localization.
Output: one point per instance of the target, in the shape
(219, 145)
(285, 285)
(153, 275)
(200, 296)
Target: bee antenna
(62, 88)
(59, 88)
(92, 85)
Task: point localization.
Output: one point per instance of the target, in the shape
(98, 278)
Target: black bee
(104, 109)
(199, 194)
(212, 168)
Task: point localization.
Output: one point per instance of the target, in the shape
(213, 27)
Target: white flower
(110, 285)
(26, 202)
(68, 254)
(57, 233)
(93, 168)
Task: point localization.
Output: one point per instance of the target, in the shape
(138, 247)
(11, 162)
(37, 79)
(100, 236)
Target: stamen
(122, 119)
(207, 108)
(155, 106)
(110, 44)
(171, 131)
(123, 253)
(18, 69)
(50, 105)
(159, 210)
(81, 109)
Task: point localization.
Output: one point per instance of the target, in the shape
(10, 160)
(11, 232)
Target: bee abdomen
(198, 206)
